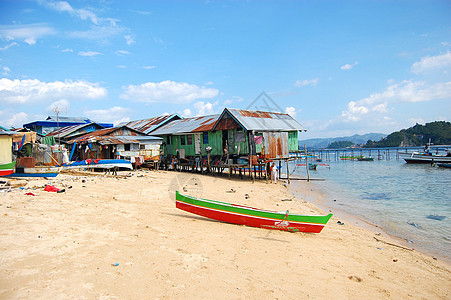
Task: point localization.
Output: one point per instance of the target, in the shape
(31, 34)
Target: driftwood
(394, 245)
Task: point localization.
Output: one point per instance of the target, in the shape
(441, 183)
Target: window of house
(169, 140)
(205, 137)
(127, 147)
(142, 147)
(182, 140)
(190, 139)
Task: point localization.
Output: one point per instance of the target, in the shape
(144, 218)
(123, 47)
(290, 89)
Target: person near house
(274, 173)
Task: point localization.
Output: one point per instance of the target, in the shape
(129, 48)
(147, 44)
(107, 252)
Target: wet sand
(123, 238)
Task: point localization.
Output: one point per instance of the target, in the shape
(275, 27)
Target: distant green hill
(356, 139)
(438, 133)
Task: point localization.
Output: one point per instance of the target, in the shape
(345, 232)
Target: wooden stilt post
(306, 163)
(288, 171)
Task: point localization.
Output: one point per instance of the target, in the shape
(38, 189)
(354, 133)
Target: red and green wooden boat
(7, 168)
(249, 216)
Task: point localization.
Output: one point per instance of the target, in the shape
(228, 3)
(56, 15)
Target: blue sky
(338, 67)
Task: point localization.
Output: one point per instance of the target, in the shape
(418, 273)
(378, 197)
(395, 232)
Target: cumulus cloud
(89, 53)
(306, 82)
(15, 120)
(432, 63)
(28, 33)
(203, 108)
(349, 66)
(291, 111)
(32, 90)
(113, 115)
(187, 113)
(167, 92)
(406, 91)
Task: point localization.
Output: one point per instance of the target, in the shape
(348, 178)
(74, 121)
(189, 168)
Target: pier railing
(377, 153)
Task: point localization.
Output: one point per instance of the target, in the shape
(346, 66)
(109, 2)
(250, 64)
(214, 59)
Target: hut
(6, 152)
(108, 143)
(238, 138)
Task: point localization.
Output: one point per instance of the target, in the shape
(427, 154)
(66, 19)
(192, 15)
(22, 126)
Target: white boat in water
(423, 158)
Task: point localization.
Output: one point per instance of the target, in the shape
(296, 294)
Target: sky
(338, 67)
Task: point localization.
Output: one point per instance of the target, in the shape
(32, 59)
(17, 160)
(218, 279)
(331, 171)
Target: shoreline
(359, 221)
(122, 237)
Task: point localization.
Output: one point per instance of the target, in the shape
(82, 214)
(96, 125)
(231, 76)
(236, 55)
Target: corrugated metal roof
(263, 121)
(68, 130)
(188, 125)
(107, 133)
(148, 125)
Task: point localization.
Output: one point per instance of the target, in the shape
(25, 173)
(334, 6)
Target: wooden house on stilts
(236, 139)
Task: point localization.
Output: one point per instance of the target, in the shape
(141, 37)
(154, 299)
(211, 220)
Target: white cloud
(187, 113)
(121, 52)
(32, 90)
(149, 67)
(6, 70)
(233, 100)
(129, 40)
(67, 50)
(203, 108)
(89, 53)
(432, 63)
(15, 121)
(63, 6)
(113, 115)
(348, 66)
(27, 33)
(9, 46)
(62, 105)
(406, 91)
(101, 28)
(291, 111)
(306, 82)
(167, 92)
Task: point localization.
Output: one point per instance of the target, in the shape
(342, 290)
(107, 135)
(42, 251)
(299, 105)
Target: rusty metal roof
(188, 125)
(263, 121)
(149, 125)
(69, 131)
(113, 132)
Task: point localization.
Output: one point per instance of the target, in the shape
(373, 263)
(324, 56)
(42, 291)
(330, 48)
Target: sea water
(408, 201)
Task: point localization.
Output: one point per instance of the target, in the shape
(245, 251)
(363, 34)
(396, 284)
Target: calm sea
(409, 201)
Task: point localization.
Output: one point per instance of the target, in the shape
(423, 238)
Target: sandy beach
(121, 237)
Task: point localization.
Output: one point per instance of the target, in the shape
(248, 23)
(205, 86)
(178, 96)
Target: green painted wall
(293, 140)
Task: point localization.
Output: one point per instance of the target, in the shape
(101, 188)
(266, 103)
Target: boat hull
(419, 158)
(7, 169)
(98, 164)
(249, 216)
(36, 172)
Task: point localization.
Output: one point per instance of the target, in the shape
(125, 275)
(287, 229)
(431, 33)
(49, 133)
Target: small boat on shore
(35, 172)
(98, 164)
(7, 168)
(424, 158)
(249, 216)
(444, 165)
